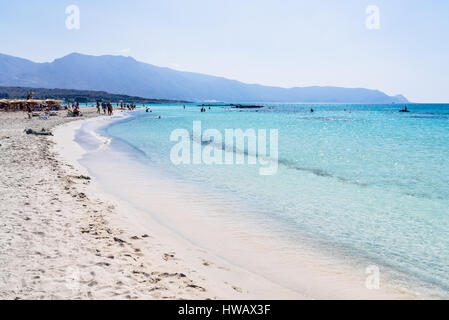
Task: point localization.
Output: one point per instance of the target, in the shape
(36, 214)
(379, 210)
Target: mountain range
(125, 75)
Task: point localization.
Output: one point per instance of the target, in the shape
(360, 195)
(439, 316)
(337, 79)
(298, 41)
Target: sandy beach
(62, 238)
(224, 151)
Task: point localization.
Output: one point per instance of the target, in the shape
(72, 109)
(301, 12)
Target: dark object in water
(37, 133)
(242, 106)
(404, 110)
(311, 110)
(213, 105)
(232, 105)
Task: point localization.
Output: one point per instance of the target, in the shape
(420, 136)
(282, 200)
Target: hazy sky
(274, 42)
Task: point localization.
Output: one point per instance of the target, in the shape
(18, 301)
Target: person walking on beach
(98, 107)
(110, 109)
(103, 106)
(29, 111)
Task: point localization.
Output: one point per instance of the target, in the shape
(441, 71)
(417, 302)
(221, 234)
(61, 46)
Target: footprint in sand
(194, 286)
(239, 290)
(206, 263)
(169, 256)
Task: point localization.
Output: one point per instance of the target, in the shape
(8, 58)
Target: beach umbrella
(53, 101)
(17, 101)
(34, 101)
(4, 102)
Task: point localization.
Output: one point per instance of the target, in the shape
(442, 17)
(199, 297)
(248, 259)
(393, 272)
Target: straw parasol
(34, 101)
(53, 101)
(17, 101)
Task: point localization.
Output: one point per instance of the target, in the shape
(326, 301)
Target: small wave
(286, 163)
(432, 117)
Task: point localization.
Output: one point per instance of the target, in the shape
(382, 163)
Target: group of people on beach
(129, 106)
(106, 107)
(28, 107)
(74, 110)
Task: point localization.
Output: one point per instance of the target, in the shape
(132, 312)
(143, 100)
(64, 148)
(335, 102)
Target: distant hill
(81, 96)
(125, 75)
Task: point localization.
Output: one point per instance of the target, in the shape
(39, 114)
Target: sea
(362, 184)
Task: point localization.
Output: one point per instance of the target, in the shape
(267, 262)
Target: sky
(284, 43)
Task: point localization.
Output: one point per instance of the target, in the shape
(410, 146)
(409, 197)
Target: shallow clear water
(365, 179)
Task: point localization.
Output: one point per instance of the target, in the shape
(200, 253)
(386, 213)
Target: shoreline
(219, 278)
(87, 243)
(328, 283)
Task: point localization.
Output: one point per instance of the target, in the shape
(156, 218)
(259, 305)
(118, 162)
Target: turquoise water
(363, 179)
